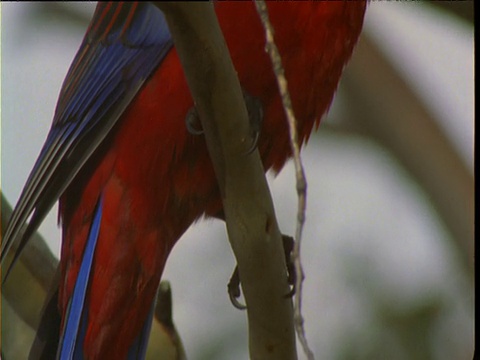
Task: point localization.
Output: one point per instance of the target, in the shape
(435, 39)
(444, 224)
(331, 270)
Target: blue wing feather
(125, 43)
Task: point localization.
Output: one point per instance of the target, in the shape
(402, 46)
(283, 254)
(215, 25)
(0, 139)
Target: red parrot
(131, 178)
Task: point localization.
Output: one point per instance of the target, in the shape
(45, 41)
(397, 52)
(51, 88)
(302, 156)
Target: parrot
(131, 176)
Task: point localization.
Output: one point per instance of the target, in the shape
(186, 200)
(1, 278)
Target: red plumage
(157, 179)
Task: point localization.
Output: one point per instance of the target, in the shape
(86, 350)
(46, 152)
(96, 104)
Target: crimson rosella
(130, 176)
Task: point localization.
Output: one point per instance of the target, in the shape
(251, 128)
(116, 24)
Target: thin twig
(301, 182)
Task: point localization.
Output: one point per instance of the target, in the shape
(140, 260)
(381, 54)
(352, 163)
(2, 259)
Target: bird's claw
(192, 121)
(288, 244)
(234, 290)
(255, 117)
(234, 283)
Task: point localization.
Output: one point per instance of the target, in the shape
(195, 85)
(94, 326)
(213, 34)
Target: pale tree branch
(251, 224)
(387, 110)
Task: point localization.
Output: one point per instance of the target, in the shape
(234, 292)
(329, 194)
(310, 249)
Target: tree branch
(461, 9)
(387, 110)
(251, 223)
(33, 272)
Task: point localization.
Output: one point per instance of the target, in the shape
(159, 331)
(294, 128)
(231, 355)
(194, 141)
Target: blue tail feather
(138, 350)
(71, 340)
(73, 336)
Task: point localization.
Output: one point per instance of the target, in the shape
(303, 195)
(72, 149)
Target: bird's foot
(234, 283)
(255, 117)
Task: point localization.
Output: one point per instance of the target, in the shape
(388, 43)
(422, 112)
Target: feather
(125, 45)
